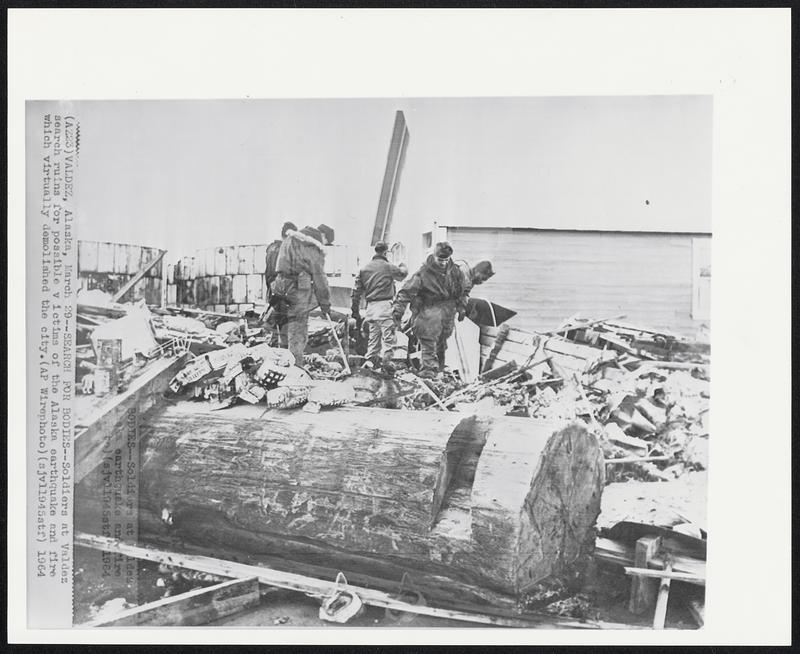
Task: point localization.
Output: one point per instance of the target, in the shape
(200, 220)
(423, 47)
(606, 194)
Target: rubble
(644, 394)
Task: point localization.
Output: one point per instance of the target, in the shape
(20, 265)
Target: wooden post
(660, 616)
(644, 589)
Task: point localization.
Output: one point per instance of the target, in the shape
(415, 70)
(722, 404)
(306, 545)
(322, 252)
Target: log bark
(496, 503)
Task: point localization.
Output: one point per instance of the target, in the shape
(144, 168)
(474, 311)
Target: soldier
(471, 277)
(475, 275)
(302, 284)
(375, 282)
(436, 294)
(276, 315)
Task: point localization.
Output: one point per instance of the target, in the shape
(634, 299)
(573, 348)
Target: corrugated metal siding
(548, 276)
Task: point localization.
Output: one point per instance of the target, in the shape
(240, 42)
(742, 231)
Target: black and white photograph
(386, 362)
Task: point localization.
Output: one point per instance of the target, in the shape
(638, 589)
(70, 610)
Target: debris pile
(114, 342)
(644, 394)
(261, 374)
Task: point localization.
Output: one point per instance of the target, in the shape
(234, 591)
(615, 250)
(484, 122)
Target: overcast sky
(184, 175)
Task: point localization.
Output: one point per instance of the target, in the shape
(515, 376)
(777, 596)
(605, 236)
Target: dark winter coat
(430, 285)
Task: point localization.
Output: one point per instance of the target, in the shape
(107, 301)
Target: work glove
(325, 309)
(461, 315)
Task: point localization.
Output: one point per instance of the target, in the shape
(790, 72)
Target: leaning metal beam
(391, 179)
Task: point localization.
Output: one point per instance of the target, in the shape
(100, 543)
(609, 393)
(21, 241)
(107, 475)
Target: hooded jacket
(301, 255)
(430, 285)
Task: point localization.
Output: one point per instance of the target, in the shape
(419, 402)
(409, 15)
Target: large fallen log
(494, 503)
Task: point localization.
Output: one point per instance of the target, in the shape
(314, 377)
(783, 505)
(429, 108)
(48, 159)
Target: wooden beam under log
(320, 588)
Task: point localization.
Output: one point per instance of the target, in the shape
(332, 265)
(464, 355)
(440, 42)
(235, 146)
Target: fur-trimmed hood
(304, 238)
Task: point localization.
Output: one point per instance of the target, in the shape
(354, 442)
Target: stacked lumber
(655, 558)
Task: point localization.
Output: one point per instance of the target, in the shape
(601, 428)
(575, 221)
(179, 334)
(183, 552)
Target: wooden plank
(172, 296)
(101, 427)
(255, 288)
(509, 347)
(137, 292)
(644, 589)
(614, 552)
(105, 257)
(208, 256)
(220, 265)
(320, 588)
(638, 459)
(212, 291)
(135, 260)
(246, 254)
(87, 256)
(615, 434)
(666, 573)
(555, 345)
(519, 336)
(231, 260)
(199, 264)
(195, 607)
(502, 334)
(201, 290)
(239, 290)
(133, 280)
(121, 258)
(186, 267)
(225, 289)
(148, 254)
(259, 259)
(660, 616)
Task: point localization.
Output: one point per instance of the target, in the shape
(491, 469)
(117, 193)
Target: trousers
(382, 336)
(301, 303)
(432, 327)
